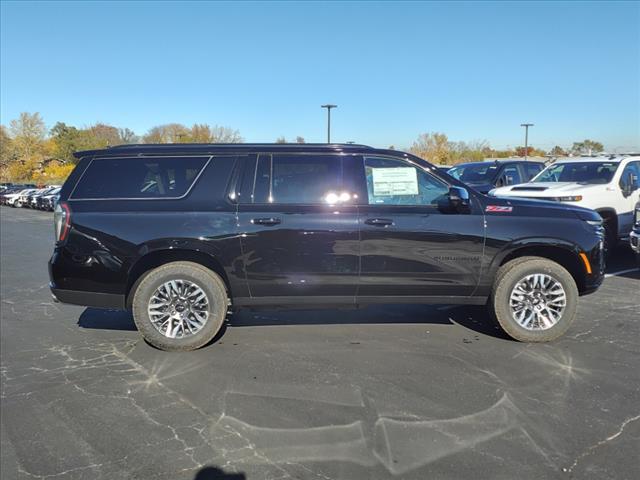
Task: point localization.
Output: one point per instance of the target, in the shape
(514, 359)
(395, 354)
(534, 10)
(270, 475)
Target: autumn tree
(127, 136)
(225, 135)
(198, 133)
(168, 133)
(433, 147)
(28, 132)
(558, 151)
(7, 153)
(473, 151)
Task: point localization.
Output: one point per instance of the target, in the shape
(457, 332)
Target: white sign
(394, 181)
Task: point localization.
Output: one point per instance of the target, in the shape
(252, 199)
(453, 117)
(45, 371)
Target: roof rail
(316, 145)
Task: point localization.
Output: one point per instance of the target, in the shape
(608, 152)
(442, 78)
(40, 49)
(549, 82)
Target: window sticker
(394, 181)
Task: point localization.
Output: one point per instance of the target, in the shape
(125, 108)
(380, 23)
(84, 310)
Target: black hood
(543, 208)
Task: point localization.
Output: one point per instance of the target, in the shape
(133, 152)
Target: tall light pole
(328, 107)
(526, 139)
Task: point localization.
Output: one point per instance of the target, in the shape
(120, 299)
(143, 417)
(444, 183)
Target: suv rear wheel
(180, 306)
(534, 299)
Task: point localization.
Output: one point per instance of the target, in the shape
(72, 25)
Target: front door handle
(266, 221)
(379, 222)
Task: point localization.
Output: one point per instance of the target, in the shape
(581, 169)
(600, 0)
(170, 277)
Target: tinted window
(297, 179)
(135, 177)
(394, 182)
(581, 172)
(510, 176)
(532, 169)
(632, 168)
(479, 172)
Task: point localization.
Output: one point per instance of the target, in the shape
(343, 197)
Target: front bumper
(634, 240)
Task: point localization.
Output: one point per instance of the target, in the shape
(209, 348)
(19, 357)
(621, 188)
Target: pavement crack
(589, 450)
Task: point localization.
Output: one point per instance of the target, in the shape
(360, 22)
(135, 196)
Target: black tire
(506, 279)
(207, 280)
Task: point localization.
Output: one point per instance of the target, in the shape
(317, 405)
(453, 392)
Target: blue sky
(471, 70)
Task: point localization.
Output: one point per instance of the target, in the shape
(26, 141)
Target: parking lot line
(621, 272)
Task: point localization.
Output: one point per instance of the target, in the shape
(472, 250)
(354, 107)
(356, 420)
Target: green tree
(587, 147)
(66, 141)
(558, 151)
(281, 140)
(300, 139)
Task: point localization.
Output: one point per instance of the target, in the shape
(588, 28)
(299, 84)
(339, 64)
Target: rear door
(412, 245)
(299, 228)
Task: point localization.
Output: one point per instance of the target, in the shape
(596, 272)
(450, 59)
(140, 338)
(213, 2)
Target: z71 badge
(498, 209)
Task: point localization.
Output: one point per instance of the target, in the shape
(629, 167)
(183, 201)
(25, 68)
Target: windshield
(480, 172)
(580, 172)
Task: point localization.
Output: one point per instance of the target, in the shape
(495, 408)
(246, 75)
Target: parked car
(305, 225)
(17, 198)
(49, 200)
(634, 236)
(34, 197)
(4, 195)
(485, 176)
(610, 186)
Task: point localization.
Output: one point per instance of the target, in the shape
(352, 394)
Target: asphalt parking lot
(416, 392)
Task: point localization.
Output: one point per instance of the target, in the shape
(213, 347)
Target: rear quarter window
(139, 177)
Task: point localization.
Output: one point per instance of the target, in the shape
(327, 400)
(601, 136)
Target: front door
(412, 243)
(299, 229)
(629, 192)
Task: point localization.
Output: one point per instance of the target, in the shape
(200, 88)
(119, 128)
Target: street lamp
(526, 138)
(328, 107)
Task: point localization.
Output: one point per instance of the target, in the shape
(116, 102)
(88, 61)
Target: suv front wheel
(180, 306)
(534, 299)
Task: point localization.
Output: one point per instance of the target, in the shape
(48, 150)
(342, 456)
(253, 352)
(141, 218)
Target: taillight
(62, 221)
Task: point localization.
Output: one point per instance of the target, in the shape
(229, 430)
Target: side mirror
(459, 198)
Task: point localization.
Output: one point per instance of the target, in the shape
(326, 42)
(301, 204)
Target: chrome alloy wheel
(537, 302)
(178, 308)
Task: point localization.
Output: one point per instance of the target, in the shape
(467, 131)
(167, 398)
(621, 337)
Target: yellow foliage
(55, 172)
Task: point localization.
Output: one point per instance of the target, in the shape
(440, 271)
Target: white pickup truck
(608, 185)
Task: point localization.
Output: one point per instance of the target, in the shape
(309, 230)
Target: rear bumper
(88, 299)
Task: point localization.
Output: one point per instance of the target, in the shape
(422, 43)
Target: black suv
(180, 233)
(485, 176)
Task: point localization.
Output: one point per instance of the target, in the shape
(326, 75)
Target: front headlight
(573, 198)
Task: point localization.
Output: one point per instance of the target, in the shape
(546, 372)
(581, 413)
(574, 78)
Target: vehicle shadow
(215, 473)
(475, 318)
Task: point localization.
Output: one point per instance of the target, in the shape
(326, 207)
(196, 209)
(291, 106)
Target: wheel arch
(157, 258)
(565, 254)
(609, 214)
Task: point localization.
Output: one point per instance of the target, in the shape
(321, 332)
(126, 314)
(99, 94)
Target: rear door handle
(379, 222)
(266, 221)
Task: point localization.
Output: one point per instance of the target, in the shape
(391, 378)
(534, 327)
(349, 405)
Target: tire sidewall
(516, 274)
(208, 282)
